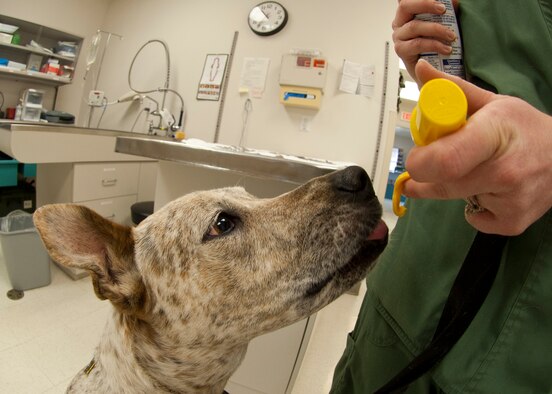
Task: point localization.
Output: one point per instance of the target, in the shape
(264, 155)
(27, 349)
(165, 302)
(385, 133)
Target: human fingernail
(440, 7)
(451, 36)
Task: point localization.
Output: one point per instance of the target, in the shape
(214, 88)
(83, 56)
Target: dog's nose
(352, 179)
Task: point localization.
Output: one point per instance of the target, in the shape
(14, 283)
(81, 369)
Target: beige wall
(345, 127)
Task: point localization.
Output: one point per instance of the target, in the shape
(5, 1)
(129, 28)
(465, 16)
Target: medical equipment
(95, 43)
(302, 79)
(96, 98)
(167, 122)
(165, 117)
(31, 105)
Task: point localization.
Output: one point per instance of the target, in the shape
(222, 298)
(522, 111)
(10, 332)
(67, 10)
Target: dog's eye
(223, 224)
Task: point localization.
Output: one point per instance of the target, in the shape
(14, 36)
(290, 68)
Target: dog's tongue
(380, 232)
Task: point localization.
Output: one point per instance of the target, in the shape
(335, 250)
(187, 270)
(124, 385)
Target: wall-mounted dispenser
(302, 78)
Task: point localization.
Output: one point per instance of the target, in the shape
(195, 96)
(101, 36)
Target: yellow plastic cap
(442, 109)
(179, 135)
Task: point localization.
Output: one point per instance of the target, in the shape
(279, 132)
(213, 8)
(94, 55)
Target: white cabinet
(116, 209)
(109, 188)
(94, 181)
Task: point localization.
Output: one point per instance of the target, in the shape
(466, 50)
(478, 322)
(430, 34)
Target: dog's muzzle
(353, 187)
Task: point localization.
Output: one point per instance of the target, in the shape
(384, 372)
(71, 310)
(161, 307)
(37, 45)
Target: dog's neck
(134, 357)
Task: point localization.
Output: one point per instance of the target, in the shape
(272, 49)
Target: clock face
(267, 18)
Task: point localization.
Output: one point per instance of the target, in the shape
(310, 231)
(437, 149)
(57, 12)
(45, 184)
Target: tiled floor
(50, 334)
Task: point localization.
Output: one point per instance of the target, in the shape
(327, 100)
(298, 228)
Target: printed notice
(358, 79)
(253, 76)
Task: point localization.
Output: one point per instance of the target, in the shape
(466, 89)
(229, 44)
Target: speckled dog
(198, 279)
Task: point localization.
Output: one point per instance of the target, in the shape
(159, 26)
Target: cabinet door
(93, 181)
(116, 209)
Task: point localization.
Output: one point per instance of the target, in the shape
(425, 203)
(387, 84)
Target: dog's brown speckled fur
(197, 280)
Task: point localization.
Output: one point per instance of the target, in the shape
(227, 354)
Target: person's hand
(501, 156)
(412, 37)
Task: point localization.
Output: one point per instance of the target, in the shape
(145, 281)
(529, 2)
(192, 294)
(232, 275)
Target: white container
(34, 62)
(18, 111)
(27, 261)
(31, 114)
(6, 38)
(5, 28)
(16, 65)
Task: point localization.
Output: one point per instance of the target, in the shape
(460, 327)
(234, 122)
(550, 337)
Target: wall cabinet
(19, 52)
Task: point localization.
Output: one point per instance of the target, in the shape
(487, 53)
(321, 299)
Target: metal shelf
(44, 36)
(34, 76)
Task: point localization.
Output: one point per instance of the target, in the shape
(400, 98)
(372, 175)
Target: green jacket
(508, 346)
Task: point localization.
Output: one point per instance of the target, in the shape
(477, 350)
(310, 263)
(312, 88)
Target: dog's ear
(76, 236)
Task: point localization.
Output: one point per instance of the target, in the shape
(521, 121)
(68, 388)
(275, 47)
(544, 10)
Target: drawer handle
(109, 182)
(112, 216)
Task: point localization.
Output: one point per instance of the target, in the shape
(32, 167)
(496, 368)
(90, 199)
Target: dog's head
(223, 263)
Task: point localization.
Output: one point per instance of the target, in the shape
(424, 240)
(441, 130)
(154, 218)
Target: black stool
(141, 210)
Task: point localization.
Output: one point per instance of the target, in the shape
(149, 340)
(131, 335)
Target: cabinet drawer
(93, 181)
(115, 209)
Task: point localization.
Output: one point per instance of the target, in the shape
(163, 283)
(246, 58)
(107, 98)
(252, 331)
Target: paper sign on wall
(210, 84)
(358, 79)
(253, 76)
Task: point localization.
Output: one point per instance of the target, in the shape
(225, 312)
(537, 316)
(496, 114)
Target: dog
(194, 282)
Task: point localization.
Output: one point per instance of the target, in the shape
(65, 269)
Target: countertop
(251, 162)
(37, 142)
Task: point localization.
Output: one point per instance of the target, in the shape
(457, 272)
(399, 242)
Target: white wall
(343, 129)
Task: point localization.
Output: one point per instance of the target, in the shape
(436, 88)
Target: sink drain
(15, 294)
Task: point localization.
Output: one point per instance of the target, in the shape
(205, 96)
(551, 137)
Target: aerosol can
(452, 64)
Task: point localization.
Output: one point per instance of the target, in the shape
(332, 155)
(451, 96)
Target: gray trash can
(27, 261)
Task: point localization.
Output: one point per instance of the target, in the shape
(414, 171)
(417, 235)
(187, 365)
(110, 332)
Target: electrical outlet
(96, 98)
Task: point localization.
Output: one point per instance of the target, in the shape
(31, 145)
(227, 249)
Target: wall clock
(267, 18)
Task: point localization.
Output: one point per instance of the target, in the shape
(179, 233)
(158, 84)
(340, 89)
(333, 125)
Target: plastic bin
(8, 172)
(27, 261)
